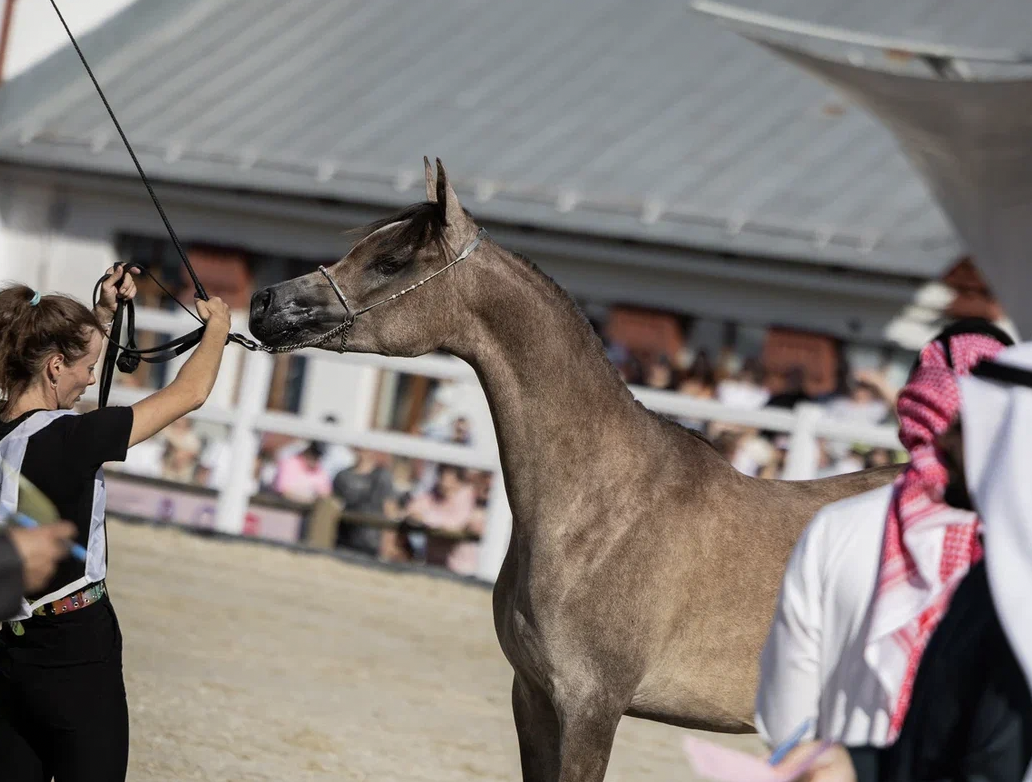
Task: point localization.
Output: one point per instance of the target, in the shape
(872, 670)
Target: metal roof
(611, 117)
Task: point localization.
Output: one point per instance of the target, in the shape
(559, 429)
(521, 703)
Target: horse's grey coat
(643, 568)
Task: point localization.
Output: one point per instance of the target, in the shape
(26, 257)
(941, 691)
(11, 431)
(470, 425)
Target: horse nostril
(261, 301)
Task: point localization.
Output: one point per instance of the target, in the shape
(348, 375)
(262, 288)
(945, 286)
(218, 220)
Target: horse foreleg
(586, 744)
(537, 728)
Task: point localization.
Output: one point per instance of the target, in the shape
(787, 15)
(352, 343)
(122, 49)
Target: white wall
(36, 32)
(35, 247)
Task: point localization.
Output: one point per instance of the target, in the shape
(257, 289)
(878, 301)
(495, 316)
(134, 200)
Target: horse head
(373, 300)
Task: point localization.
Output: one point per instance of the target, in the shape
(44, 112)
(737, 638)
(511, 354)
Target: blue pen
(22, 520)
(790, 743)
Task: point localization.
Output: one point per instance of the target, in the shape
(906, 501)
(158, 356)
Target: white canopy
(970, 140)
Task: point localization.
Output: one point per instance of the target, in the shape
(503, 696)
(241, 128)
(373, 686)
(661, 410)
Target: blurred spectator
(337, 457)
(838, 459)
(660, 375)
(698, 382)
(182, 452)
(365, 487)
(753, 453)
(302, 478)
(266, 469)
(461, 433)
(794, 391)
(745, 388)
(773, 469)
(403, 476)
(439, 420)
(216, 461)
(879, 457)
(700, 379)
(450, 505)
(145, 459)
(864, 405)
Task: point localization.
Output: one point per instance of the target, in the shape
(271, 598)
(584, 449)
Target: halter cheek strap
(336, 289)
(350, 316)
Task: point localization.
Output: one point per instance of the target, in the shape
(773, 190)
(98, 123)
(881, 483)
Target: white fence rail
(249, 418)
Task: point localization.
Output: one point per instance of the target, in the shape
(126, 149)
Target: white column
(803, 457)
(365, 400)
(244, 442)
(495, 541)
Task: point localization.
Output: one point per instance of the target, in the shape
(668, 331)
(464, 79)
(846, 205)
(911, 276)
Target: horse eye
(389, 265)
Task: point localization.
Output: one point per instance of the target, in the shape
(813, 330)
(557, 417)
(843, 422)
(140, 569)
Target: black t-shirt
(62, 460)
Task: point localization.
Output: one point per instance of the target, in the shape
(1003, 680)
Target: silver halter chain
(344, 329)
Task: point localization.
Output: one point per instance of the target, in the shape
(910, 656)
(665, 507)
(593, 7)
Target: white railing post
(803, 457)
(495, 540)
(244, 441)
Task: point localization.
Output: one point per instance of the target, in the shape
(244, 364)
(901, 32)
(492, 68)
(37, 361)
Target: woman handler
(63, 712)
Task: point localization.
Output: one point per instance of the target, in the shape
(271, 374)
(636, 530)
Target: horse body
(643, 569)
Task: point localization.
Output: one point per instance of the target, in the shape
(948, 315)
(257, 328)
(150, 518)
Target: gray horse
(643, 568)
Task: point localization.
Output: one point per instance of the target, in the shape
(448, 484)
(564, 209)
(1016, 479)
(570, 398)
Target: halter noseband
(350, 316)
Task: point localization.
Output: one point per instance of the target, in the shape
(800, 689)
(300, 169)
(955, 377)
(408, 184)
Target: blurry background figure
(450, 505)
(700, 379)
(865, 403)
(182, 451)
(745, 388)
(365, 487)
(146, 458)
(879, 457)
(440, 418)
(461, 432)
(794, 391)
(336, 457)
(302, 478)
(838, 459)
(660, 374)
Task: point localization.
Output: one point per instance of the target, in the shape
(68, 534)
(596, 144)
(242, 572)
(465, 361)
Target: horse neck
(557, 403)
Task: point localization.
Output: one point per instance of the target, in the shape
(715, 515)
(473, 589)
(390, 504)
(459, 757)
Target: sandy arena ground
(249, 663)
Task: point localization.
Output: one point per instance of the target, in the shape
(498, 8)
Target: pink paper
(722, 764)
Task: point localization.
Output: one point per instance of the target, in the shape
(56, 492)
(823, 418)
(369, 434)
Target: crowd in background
(427, 497)
(862, 397)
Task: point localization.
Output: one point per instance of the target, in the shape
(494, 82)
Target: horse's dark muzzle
(261, 302)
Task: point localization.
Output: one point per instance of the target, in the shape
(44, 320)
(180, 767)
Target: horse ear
(431, 190)
(446, 197)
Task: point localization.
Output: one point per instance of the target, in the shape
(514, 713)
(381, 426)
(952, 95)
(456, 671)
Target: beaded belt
(74, 602)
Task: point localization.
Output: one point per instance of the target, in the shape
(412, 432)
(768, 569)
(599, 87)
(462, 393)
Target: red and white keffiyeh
(928, 546)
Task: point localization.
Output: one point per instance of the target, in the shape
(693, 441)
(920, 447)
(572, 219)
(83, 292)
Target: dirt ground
(249, 663)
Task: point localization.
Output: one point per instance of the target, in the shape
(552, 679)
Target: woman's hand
(832, 765)
(118, 284)
(215, 313)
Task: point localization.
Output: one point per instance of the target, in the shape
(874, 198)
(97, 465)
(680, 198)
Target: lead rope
(130, 355)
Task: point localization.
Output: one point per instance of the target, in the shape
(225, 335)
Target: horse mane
(420, 224)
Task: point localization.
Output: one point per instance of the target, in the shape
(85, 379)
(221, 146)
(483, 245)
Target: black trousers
(63, 712)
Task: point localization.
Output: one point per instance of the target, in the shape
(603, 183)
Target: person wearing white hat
(970, 719)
